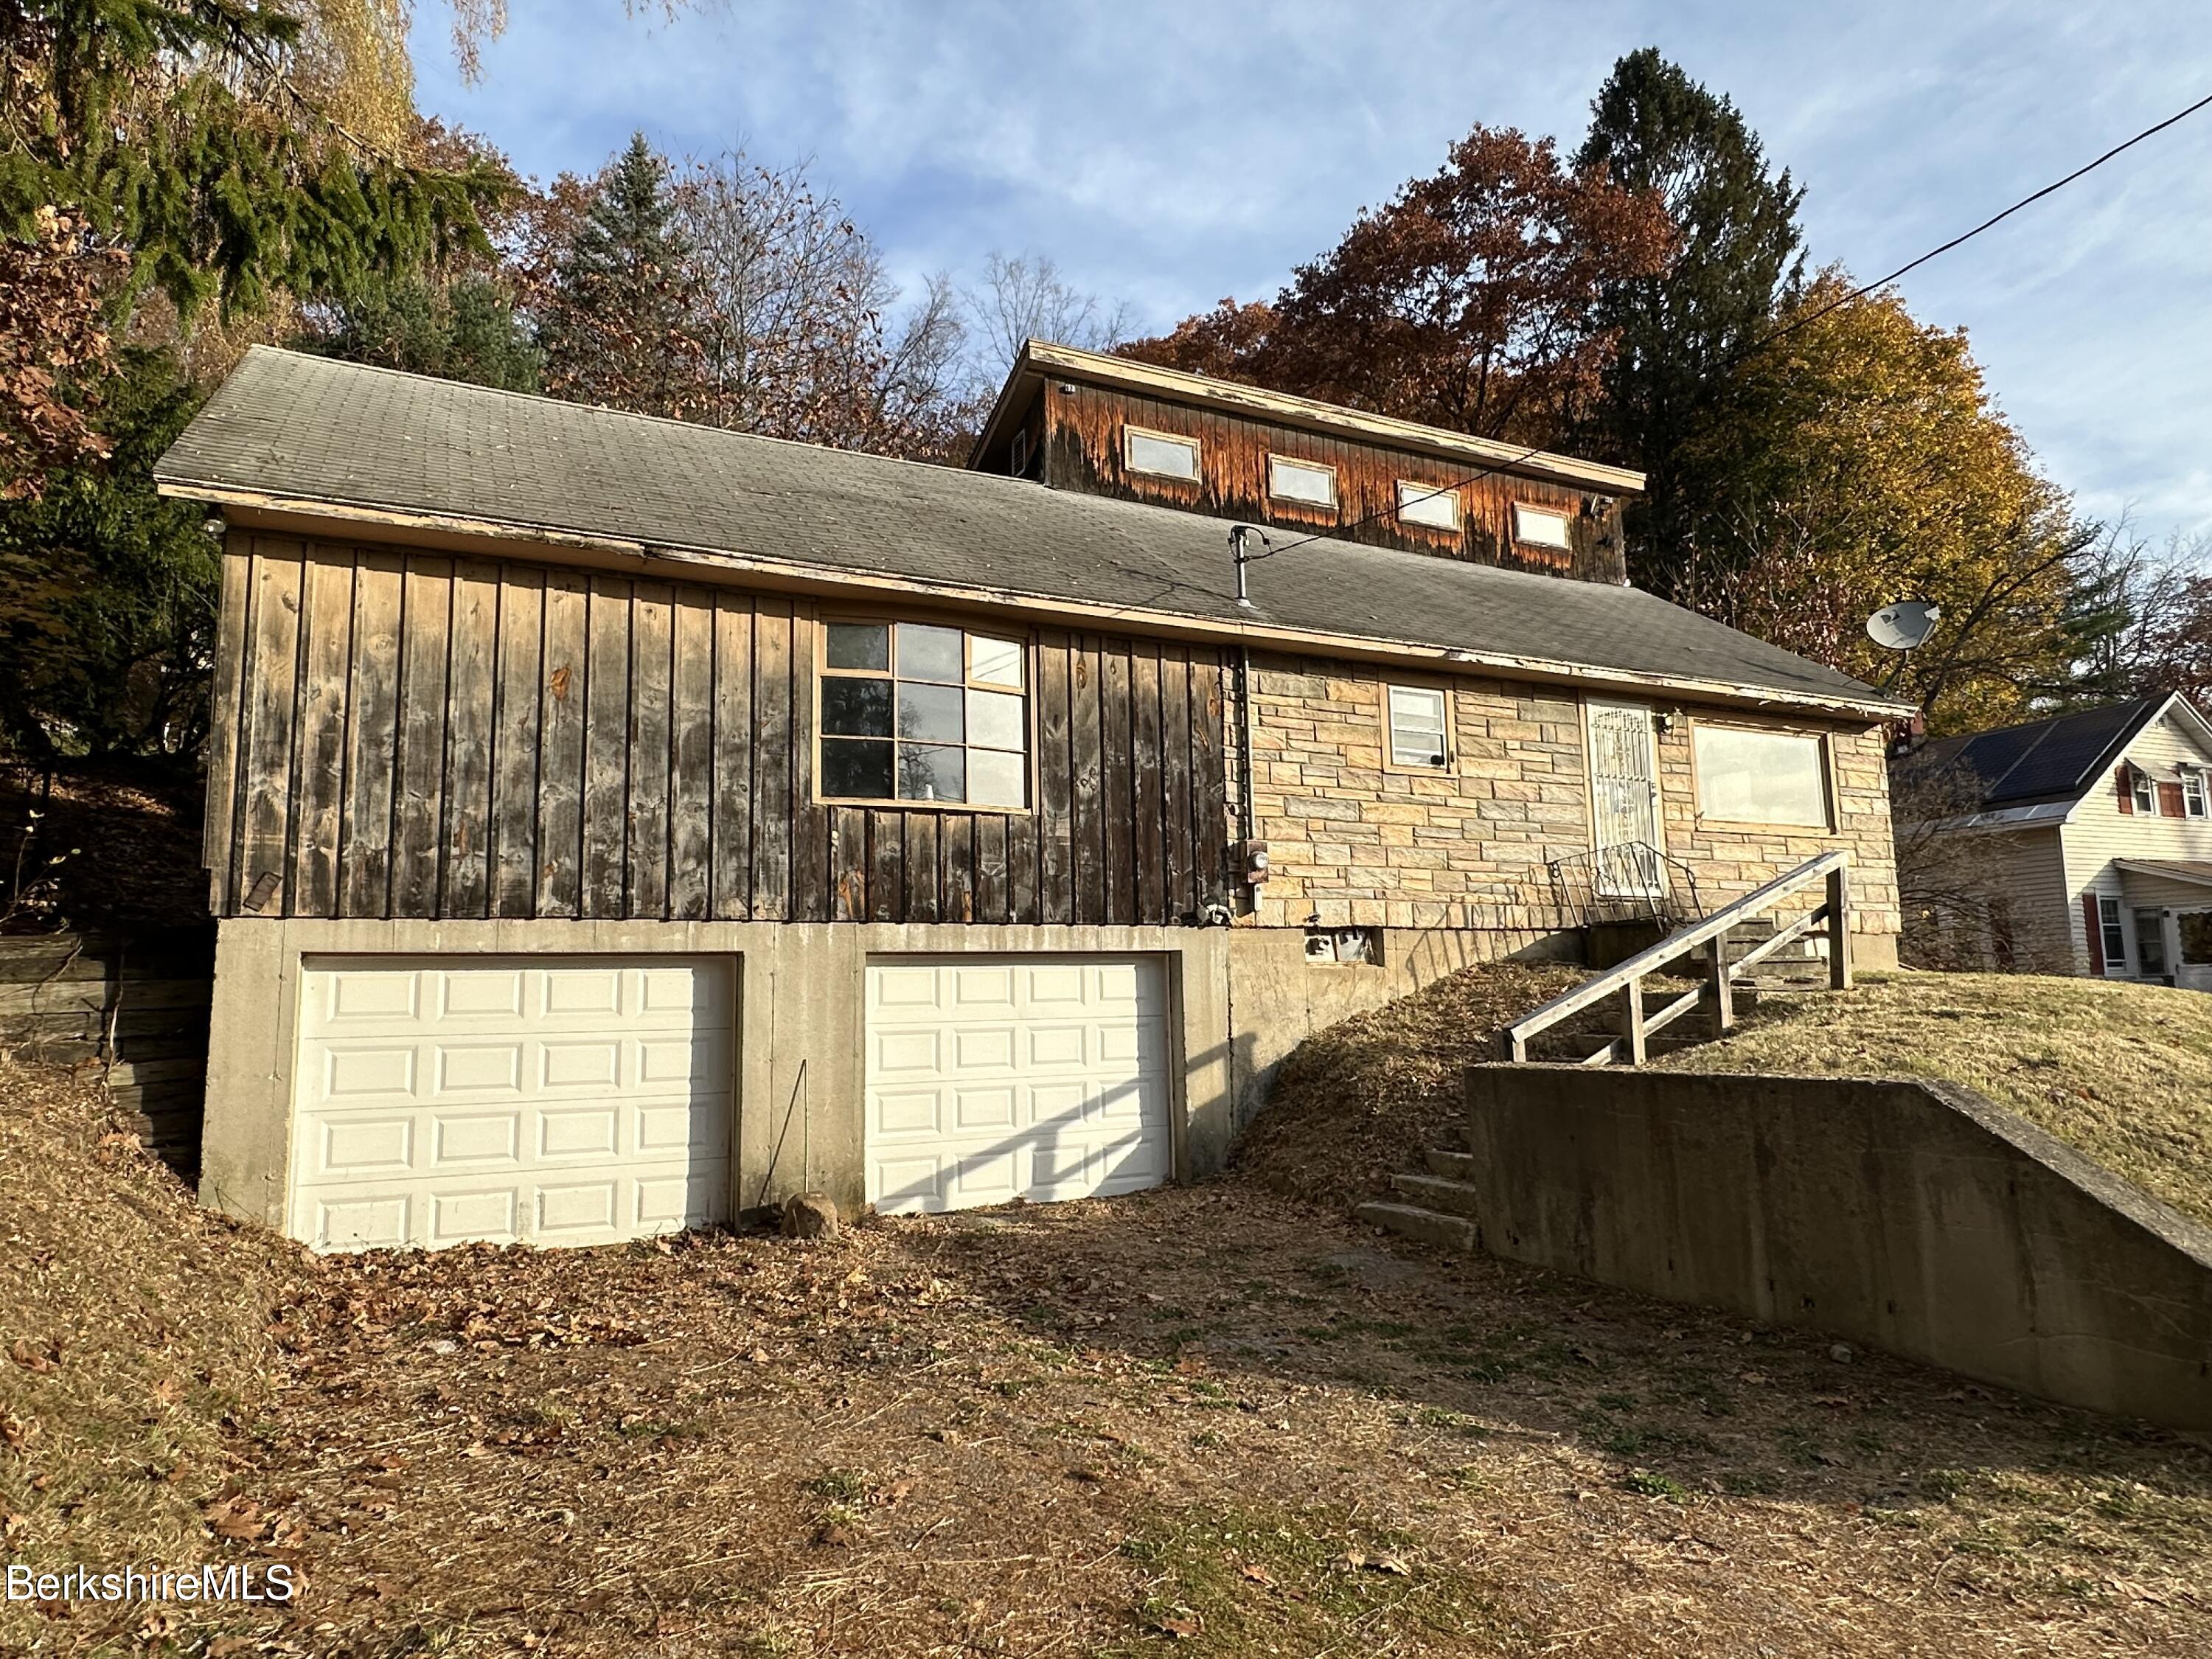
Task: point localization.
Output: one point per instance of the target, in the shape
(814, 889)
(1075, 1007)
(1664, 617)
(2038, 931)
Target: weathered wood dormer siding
(413, 735)
(1082, 429)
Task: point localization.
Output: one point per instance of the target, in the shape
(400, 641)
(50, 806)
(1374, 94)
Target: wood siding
(406, 734)
(1083, 452)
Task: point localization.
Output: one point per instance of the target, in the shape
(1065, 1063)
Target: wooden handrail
(1627, 981)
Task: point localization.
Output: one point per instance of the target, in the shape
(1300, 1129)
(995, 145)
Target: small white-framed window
(2195, 802)
(1420, 727)
(1161, 453)
(2115, 935)
(2146, 791)
(1745, 775)
(1540, 526)
(1435, 506)
(1308, 482)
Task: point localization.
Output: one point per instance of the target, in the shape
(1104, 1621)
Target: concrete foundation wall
(800, 1057)
(1917, 1218)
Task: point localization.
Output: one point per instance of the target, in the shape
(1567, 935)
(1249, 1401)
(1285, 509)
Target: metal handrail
(1717, 995)
(1578, 880)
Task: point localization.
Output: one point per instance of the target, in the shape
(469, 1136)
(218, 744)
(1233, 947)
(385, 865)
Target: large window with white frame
(1420, 727)
(923, 714)
(1746, 774)
(1540, 526)
(2115, 940)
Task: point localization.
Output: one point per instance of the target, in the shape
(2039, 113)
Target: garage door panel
(409, 1135)
(1023, 1077)
(459, 1140)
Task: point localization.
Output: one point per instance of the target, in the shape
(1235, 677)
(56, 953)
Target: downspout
(1247, 808)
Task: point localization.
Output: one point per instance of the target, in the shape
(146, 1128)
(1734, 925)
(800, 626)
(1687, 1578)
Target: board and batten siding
(408, 734)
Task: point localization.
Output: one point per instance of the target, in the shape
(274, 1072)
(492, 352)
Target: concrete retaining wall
(1917, 1218)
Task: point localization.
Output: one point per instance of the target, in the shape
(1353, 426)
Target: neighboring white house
(2101, 828)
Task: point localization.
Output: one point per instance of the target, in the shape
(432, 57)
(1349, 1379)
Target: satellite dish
(1904, 626)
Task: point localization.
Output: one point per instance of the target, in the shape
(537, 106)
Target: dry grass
(1359, 1100)
(2122, 1072)
(1214, 1420)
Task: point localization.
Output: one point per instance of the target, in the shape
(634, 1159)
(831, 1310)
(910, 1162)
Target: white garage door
(559, 1100)
(996, 1077)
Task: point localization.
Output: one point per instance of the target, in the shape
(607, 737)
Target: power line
(1765, 340)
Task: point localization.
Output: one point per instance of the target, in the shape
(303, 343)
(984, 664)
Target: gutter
(307, 515)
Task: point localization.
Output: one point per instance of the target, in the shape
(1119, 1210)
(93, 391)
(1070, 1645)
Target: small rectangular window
(921, 712)
(1540, 526)
(2115, 938)
(1158, 453)
(2146, 788)
(1435, 506)
(1301, 481)
(2194, 801)
(1746, 776)
(2150, 942)
(1419, 730)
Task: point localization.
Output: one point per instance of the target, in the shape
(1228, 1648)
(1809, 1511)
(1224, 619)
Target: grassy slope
(2122, 1072)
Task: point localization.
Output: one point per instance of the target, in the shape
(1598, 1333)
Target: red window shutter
(2096, 932)
(2169, 800)
(2127, 791)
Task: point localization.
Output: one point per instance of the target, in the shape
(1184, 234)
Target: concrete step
(1452, 1166)
(1450, 1232)
(1436, 1192)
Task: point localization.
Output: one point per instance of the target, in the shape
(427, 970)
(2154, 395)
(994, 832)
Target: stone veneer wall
(1353, 841)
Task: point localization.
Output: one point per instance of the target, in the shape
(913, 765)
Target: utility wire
(1765, 340)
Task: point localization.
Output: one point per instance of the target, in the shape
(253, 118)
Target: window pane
(1420, 503)
(997, 780)
(1173, 457)
(995, 662)
(929, 772)
(929, 654)
(860, 645)
(860, 709)
(929, 712)
(856, 770)
(1542, 529)
(1760, 777)
(994, 721)
(1301, 481)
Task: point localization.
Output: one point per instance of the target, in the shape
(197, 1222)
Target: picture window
(1159, 453)
(1306, 482)
(1427, 504)
(1539, 527)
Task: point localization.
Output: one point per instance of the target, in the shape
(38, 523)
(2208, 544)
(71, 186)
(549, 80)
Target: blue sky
(1170, 152)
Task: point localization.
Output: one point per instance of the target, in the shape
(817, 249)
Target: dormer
(1109, 425)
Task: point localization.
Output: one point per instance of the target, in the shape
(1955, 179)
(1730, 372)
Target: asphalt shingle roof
(311, 429)
(2056, 759)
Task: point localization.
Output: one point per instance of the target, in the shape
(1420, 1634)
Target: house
(614, 825)
(2092, 839)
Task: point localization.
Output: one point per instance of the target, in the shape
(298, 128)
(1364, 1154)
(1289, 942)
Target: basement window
(1160, 454)
(1420, 734)
(1540, 526)
(1308, 482)
(918, 714)
(1433, 505)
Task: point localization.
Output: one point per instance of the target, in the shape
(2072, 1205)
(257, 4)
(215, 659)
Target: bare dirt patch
(1214, 1420)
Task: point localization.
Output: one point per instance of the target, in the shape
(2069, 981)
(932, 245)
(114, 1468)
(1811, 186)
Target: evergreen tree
(618, 325)
(1679, 334)
(457, 328)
